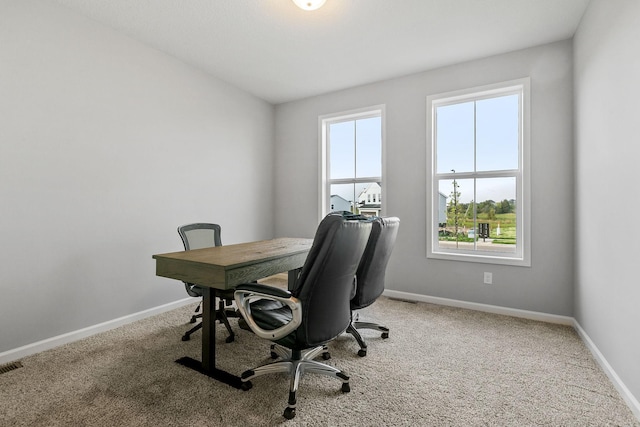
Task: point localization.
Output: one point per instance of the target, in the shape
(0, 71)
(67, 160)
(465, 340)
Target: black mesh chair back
(197, 236)
(200, 235)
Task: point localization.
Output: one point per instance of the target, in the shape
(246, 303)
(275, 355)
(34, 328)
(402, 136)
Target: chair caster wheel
(186, 338)
(326, 355)
(362, 353)
(246, 385)
(289, 413)
(346, 388)
(385, 335)
(230, 338)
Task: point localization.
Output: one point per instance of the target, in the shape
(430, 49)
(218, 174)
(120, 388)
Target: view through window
(478, 182)
(352, 170)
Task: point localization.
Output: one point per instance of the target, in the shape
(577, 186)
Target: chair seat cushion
(269, 314)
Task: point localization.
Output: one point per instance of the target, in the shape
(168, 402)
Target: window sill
(482, 257)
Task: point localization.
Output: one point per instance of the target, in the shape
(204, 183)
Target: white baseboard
(49, 343)
(630, 400)
(525, 314)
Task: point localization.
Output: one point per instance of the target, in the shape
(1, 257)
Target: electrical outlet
(488, 278)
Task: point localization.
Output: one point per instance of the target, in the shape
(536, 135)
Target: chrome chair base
(296, 363)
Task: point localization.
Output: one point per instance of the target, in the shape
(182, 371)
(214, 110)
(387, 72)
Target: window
(478, 196)
(351, 153)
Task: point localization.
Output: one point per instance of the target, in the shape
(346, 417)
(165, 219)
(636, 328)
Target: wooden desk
(224, 267)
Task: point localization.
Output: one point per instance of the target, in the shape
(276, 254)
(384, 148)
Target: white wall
(607, 68)
(544, 287)
(106, 146)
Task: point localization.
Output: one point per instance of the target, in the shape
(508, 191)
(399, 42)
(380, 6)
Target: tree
(469, 209)
(504, 207)
(486, 207)
(491, 214)
(455, 208)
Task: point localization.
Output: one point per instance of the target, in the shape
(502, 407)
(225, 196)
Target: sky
(490, 126)
(355, 151)
(495, 141)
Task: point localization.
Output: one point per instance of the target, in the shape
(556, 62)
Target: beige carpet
(441, 366)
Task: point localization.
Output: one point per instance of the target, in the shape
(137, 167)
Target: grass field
(505, 222)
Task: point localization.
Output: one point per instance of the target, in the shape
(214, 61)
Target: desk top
(224, 266)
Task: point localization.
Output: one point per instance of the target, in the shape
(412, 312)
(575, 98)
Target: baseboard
(631, 401)
(49, 343)
(525, 314)
(628, 397)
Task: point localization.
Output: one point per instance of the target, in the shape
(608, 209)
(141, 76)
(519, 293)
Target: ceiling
(278, 52)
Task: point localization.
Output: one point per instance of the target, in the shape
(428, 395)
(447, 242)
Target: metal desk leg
(208, 364)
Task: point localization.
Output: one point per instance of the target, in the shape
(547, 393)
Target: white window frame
(324, 190)
(522, 257)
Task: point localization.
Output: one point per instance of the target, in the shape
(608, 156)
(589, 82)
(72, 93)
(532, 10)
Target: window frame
(522, 257)
(325, 182)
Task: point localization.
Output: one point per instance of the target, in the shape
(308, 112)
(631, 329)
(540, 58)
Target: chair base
(353, 330)
(222, 315)
(296, 363)
(283, 352)
(187, 335)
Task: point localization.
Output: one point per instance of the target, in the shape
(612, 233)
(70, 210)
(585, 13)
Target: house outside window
(479, 191)
(371, 207)
(351, 153)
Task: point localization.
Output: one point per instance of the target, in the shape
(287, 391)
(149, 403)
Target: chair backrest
(200, 235)
(197, 236)
(373, 265)
(325, 283)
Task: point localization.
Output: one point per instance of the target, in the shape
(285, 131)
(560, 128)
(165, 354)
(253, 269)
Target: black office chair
(370, 276)
(197, 236)
(315, 312)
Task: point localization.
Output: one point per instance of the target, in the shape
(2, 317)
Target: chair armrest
(247, 293)
(264, 289)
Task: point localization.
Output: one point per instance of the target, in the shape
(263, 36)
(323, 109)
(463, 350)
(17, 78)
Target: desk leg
(208, 330)
(208, 364)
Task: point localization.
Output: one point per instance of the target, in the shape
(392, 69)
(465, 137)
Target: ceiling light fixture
(309, 4)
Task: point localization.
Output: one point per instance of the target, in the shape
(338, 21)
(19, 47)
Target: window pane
(342, 197)
(497, 130)
(454, 138)
(369, 198)
(486, 222)
(368, 147)
(497, 208)
(354, 176)
(455, 213)
(342, 150)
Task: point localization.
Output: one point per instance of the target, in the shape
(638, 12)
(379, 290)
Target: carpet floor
(441, 366)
